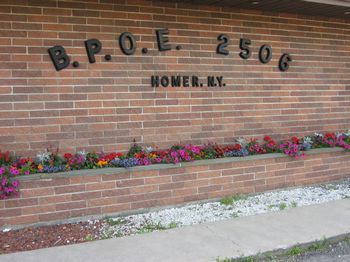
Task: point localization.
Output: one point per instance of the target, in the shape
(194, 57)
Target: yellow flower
(101, 163)
(40, 167)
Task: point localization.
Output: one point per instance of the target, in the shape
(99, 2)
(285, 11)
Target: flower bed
(95, 193)
(51, 162)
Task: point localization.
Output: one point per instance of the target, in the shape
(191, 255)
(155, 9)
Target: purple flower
(182, 153)
(15, 183)
(8, 189)
(2, 170)
(173, 154)
(14, 171)
(4, 181)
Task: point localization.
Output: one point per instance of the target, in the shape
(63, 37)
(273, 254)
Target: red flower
(295, 140)
(67, 156)
(119, 154)
(330, 136)
(238, 147)
(267, 138)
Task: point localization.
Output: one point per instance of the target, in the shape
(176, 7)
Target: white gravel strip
(215, 211)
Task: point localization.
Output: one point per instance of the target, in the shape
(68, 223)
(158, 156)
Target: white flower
(241, 141)
(149, 149)
(82, 153)
(347, 133)
(338, 135)
(308, 140)
(44, 156)
(318, 134)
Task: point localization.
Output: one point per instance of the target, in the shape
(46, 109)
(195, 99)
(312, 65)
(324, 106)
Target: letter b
(59, 57)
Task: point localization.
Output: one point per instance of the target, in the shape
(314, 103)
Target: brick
(69, 189)
(100, 186)
(102, 201)
(13, 212)
(84, 179)
(54, 199)
(157, 180)
(86, 212)
(38, 209)
(171, 186)
(177, 178)
(131, 182)
(116, 192)
(28, 219)
(26, 193)
(86, 196)
(209, 188)
(143, 189)
(70, 205)
(244, 177)
(21, 202)
(54, 216)
(115, 208)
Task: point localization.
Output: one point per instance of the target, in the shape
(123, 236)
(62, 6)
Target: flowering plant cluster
(50, 161)
(8, 182)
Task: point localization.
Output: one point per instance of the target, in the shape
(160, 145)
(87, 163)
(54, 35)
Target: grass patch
(271, 206)
(115, 221)
(173, 225)
(230, 200)
(294, 204)
(88, 237)
(107, 235)
(149, 227)
(296, 250)
(316, 246)
(282, 206)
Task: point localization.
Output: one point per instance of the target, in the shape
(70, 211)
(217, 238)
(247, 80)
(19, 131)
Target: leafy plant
(282, 206)
(134, 149)
(229, 200)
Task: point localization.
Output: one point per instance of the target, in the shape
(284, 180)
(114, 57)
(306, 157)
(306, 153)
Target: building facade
(151, 85)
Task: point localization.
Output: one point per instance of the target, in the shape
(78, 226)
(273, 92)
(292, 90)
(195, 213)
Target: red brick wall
(57, 198)
(104, 106)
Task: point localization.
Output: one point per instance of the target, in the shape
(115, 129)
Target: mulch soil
(48, 236)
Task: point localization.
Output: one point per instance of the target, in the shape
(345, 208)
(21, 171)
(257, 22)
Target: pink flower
(15, 183)
(4, 181)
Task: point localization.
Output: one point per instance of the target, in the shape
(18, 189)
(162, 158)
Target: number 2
(221, 47)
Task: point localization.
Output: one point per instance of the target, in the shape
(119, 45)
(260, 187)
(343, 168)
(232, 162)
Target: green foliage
(322, 244)
(91, 160)
(294, 204)
(115, 222)
(230, 200)
(271, 206)
(172, 225)
(88, 237)
(282, 206)
(134, 149)
(296, 250)
(149, 227)
(107, 234)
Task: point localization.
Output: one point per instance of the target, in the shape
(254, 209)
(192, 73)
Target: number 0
(265, 54)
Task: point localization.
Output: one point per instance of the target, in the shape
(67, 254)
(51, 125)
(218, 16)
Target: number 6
(284, 62)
